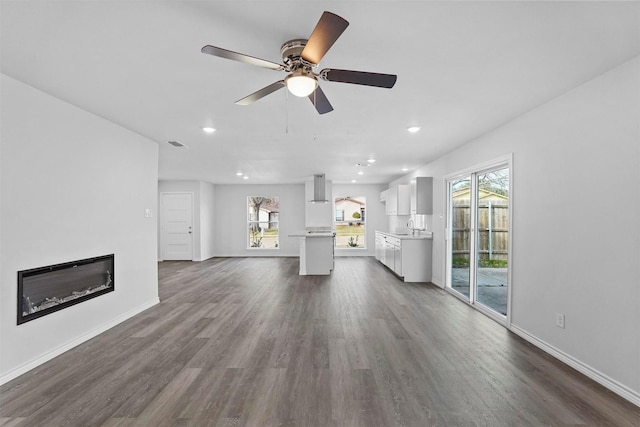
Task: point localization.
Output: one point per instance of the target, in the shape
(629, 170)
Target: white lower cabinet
(389, 255)
(409, 258)
(397, 265)
(380, 247)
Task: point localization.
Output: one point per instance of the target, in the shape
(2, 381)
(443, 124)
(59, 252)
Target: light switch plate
(560, 320)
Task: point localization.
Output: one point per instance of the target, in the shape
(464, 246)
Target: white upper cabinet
(397, 200)
(421, 189)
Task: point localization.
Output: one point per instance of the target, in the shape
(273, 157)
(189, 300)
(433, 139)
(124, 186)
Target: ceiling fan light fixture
(301, 83)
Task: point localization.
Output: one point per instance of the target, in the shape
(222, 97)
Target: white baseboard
(258, 254)
(34, 363)
(613, 385)
(438, 283)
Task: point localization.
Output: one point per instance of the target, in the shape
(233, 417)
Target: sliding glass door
(478, 238)
(492, 248)
(460, 248)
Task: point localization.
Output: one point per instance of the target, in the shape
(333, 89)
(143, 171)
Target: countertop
(307, 233)
(420, 235)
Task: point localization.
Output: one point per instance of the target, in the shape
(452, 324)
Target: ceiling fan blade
(328, 29)
(359, 77)
(320, 101)
(261, 93)
(229, 54)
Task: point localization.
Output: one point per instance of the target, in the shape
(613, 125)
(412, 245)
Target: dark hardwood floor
(246, 341)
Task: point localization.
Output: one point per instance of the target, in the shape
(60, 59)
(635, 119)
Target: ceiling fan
(300, 57)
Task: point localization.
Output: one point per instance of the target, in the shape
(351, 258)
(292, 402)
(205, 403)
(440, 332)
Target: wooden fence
(493, 229)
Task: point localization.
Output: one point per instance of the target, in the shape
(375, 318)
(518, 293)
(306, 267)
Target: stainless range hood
(319, 195)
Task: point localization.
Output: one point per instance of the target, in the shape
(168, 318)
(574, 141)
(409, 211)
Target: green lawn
(350, 230)
(346, 232)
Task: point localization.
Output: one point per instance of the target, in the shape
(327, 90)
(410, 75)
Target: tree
(255, 203)
(494, 181)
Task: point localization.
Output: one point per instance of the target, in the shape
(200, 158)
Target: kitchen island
(316, 251)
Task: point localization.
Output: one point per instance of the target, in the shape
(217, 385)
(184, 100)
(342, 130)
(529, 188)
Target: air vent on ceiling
(178, 144)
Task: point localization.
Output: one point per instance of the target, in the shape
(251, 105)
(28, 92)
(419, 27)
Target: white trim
(507, 158)
(611, 384)
(349, 252)
(34, 363)
(492, 314)
(510, 242)
(437, 283)
(487, 311)
(257, 221)
(472, 171)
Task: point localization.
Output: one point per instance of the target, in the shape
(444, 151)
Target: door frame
(473, 171)
(161, 222)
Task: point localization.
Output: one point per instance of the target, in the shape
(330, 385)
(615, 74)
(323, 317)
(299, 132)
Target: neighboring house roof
(270, 206)
(484, 194)
(349, 199)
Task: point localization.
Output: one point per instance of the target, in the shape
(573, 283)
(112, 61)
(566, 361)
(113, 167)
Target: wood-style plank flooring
(248, 342)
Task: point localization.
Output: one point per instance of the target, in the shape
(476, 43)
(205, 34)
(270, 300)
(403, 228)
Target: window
(350, 226)
(262, 224)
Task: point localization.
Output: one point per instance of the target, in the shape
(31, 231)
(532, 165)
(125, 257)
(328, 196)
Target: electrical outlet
(560, 320)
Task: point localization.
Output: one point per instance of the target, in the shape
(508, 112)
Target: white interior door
(177, 226)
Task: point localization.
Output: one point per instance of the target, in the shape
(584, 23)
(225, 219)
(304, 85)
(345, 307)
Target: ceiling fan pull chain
(286, 112)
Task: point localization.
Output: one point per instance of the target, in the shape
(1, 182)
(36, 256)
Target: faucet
(412, 226)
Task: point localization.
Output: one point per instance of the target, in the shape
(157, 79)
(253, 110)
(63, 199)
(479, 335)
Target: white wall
(375, 216)
(203, 215)
(231, 218)
(576, 233)
(207, 220)
(72, 186)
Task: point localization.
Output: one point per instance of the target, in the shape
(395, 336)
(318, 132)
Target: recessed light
(245, 177)
(354, 181)
(371, 161)
(360, 173)
(405, 169)
(413, 129)
(238, 173)
(208, 129)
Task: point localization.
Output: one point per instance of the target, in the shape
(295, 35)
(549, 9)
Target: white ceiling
(463, 69)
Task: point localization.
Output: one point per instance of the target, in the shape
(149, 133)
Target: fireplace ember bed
(44, 290)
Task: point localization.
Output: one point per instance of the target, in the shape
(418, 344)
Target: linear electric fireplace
(43, 290)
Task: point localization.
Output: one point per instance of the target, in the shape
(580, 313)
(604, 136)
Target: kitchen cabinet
(397, 259)
(416, 260)
(380, 247)
(397, 200)
(316, 251)
(389, 255)
(408, 257)
(391, 252)
(421, 195)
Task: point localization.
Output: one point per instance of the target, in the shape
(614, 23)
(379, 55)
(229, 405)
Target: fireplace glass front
(43, 290)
